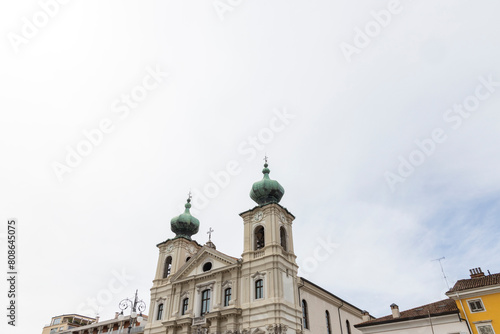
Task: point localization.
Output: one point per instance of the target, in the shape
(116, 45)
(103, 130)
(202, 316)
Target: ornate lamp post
(136, 305)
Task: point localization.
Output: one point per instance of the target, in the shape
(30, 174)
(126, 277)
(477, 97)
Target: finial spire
(265, 159)
(189, 196)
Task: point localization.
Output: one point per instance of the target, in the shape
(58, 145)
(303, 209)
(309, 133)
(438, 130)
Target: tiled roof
(471, 283)
(443, 307)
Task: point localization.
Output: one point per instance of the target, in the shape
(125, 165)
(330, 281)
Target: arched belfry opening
(168, 267)
(259, 238)
(283, 238)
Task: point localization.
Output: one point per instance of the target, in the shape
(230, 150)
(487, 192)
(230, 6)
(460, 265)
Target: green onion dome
(266, 190)
(185, 225)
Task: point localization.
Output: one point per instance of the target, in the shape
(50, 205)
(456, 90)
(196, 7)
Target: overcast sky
(380, 120)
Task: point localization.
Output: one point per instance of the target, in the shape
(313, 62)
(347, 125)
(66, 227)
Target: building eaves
(474, 283)
(331, 294)
(440, 308)
(263, 205)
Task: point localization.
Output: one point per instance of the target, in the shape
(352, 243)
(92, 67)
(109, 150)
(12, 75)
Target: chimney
(476, 273)
(97, 318)
(395, 311)
(117, 314)
(366, 316)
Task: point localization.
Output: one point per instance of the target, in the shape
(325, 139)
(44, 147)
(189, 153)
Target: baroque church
(197, 289)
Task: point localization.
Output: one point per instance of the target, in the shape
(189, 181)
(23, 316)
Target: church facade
(197, 289)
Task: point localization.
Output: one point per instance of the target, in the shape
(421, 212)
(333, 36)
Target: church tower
(177, 251)
(269, 270)
(200, 290)
(174, 253)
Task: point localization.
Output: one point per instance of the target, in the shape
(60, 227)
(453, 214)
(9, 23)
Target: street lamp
(136, 305)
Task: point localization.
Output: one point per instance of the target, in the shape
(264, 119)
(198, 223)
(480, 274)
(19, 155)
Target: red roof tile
(442, 307)
(472, 283)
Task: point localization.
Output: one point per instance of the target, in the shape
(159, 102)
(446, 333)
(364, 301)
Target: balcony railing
(258, 254)
(124, 330)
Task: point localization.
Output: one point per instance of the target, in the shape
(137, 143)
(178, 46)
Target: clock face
(258, 216)
(191, 249)
(282, 218)
(169, 248)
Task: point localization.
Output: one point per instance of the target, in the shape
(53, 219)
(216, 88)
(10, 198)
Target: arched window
(227, 296)
(205, 302)
(283, 237)
(259, 237)
(168, 267)
(159, 314)
(259, 289)
(348, 326)
(328, 324)
(305, 315)
(185, 304)
(188, 258)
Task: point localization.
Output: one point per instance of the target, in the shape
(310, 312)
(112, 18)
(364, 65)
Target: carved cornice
(258, 275)
(160, 299)
(185, 294)
(258, 331)
(209, 285)
(231, 312)
(277, 329)
(227, 284)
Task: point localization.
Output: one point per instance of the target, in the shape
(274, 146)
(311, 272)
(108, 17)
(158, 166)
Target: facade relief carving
(277, 329)
(200, 330)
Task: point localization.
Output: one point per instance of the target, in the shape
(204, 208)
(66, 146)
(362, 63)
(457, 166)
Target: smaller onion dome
(185, 225)
(266, 190)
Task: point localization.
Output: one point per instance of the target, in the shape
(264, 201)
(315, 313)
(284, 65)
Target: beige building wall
(320, 301)
(448, 324)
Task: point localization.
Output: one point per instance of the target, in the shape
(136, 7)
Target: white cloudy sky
(352, 123)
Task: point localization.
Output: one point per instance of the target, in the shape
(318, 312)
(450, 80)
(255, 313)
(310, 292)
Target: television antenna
(442, 270)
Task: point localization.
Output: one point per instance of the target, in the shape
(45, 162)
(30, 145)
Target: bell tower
(268, 226)
(269, 270)
(175, 252)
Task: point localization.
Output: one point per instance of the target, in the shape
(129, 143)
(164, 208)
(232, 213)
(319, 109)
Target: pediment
(194, 267)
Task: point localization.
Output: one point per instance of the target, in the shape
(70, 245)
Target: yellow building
(478, 299)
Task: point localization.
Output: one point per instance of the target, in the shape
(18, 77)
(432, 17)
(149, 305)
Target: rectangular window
(305, 315)
(205, 302)
(57, 321)
(185, 304)
(53, 330)
(485, 329)
(476, 305)
(259, 289)
(227, 296)
(328, 326)
(159, 315)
